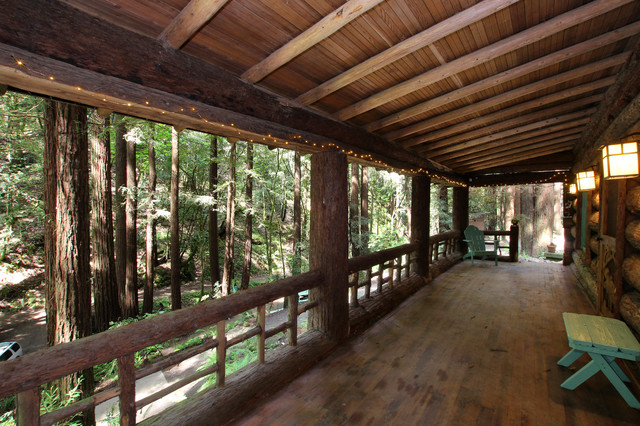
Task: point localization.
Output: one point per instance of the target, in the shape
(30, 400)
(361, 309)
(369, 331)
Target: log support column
(328, 241)
(461, 213)
(420, 200)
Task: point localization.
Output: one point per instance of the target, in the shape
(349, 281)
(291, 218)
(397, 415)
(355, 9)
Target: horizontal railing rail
(511, 245)
(25, 375)
(443, 244)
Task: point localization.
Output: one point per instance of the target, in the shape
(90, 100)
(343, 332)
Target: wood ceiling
(475, 86)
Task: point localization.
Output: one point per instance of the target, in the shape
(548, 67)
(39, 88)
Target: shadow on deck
(478, 345)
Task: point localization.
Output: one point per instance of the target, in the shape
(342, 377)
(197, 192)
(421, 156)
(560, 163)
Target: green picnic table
(604, 339)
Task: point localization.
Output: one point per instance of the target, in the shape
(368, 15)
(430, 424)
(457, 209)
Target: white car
(10, 350)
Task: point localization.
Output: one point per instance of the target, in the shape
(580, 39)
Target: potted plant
(551, 248)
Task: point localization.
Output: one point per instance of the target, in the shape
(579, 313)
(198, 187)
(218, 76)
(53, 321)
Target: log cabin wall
(630, 300)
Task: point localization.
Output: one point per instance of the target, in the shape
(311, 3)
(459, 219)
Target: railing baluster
(293, 319)
(353, 288)
(367, 287)
(221, 350)
(392, 264)
(262, 323)
(28, 407)
(127, 382)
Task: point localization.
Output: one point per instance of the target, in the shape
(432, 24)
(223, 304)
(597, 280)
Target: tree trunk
(50, 196)
(71, 263)
(121, 228)
(227, 275)
(354, 209)
(527, 211)
(443, 211)
(131, 272)
(147, 302)
(176, 299)
(248, 223)
(106, 301)
(297, 217)
(214, 262)
(364, 211)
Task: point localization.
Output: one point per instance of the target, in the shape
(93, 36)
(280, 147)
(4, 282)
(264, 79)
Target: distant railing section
(511, 245)
(380, 269)
(24, 376)
(443, 245)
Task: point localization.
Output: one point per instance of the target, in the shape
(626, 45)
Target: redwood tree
(50, 158)
(105, 287)
(297, 216)
(121, 229)
(227, 274)
(364, 211)
(354, 210)
(147, 301)
(176, 300)
(131, 272)
(70, 260)
(214, 262)
(248, 223)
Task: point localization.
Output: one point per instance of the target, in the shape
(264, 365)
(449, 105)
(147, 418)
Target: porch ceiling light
(573, 189)
(586, 181)
(620, 160)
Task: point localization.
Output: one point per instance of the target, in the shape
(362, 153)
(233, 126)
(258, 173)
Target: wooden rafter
(517, 109)
(189, 21)
(534, 153)
(511, 143)
(406, 47)
(480, 56)
(514, 138)
(504, 97)
(314, 35)
(514, 122)
(512, 152)
(509, 75)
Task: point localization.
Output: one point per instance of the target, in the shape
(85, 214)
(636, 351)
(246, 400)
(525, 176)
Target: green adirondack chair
(477, 247)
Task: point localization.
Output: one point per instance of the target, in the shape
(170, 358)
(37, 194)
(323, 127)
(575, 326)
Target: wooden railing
(443, 244)
(24, 376)
(511, 245)
(379, 269)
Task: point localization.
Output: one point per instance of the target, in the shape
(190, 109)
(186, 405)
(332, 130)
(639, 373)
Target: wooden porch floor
(478, 345)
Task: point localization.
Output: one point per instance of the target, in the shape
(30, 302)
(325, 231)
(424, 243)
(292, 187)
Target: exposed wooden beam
(510, 74)
(617, 97)
(524, 38)
(406, 47)
(189, 21)
(518, 109)
(511, 152)
(314, 35)
(509, 96)
(534, 153)
(509, 143)
(515, 178)
(25, 24)
(514, 122)
(566, 118)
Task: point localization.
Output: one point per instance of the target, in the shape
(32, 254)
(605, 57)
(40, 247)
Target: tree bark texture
(328, 241)
(297, 214)
(420, 216)
(176, 299)
(227, 274)
(632, 233)
(214, 259)
(105, 287)
(460, 209)
(364, 211)
(131, 272)
(443, 210)
(354, 210)
(630, 309)
(50, 196)
(147, 301)
(633, 200)
(72, 269)
(248, 222)
(121, 227)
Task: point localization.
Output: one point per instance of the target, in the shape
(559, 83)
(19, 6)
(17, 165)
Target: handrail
(27, 372)
(364, 261)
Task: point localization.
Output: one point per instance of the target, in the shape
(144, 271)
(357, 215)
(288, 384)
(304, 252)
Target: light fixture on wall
(620, 160)
(573, 189)
(586, 181)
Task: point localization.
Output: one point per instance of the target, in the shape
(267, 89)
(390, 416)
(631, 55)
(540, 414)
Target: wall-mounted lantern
(573, 189)
(586, 181)
(620, 160)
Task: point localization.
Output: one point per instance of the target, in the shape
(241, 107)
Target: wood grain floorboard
(478, 345)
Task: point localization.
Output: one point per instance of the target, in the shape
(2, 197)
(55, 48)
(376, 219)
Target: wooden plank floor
(479, 345)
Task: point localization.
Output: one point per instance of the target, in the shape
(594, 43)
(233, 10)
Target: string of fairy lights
(298, 139)
(556, 177)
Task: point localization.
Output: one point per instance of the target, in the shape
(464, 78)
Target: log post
(127, 382)
(28, 407)
(293, 319)
(460, 217)
(618, 276)
(221, 352)
(513, 242)
(262, 323)
(420, 199)
(328, 239)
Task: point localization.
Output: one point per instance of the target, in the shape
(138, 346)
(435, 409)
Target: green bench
(604, 339)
